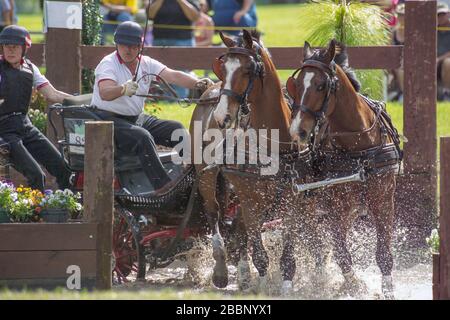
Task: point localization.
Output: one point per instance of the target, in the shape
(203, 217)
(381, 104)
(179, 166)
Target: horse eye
(321, 87)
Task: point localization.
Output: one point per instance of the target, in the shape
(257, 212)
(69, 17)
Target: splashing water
(412, 272)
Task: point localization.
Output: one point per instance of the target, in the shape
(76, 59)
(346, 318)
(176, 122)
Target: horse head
(311, 91)
(241, 70)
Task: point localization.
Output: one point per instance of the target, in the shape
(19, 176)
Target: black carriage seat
(73, 117)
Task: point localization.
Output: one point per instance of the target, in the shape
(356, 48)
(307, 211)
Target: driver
(115, 99)
(27, 145)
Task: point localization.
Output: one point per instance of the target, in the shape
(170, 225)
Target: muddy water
(412, 272)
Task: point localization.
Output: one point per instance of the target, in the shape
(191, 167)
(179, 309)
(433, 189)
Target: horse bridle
(330, 87)
(257, 70)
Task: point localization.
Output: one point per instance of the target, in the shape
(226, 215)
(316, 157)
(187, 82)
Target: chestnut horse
(250, 96)
(347, 133)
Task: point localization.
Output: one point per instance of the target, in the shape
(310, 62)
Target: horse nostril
(302, 134)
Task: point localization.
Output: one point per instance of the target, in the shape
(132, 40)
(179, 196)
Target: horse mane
(341, 59)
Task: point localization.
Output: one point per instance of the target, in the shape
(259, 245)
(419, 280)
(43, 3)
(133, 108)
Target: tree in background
(352, 23)
(92, 25)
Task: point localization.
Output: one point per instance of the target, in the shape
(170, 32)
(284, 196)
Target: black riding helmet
(16, 35)
(128, 33)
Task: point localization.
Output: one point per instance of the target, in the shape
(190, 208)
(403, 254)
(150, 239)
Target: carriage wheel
(128, 260)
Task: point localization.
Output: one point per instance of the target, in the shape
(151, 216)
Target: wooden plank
(98, 193)
(420, 87)
(444, 219)
(420, 103)
(47, 236)
(383, 57)
(36, 54)
(436, 275)
(47, 284)
(415, 207)
(46, 264)
(62, 50)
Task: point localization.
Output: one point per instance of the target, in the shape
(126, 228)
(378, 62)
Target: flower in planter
(7, 195)
(21, 210)
(63, 200)
(23, 204)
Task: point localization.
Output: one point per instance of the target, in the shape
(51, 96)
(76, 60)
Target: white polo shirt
(112, 68)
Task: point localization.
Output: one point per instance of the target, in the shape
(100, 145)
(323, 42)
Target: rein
(174, 96)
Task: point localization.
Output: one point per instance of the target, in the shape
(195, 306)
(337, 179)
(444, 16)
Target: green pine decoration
(352, 23)
(92, 27)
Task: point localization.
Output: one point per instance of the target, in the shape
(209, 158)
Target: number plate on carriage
(75, 130)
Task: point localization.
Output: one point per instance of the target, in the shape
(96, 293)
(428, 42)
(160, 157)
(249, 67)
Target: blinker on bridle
(257, 70)
(331, 85)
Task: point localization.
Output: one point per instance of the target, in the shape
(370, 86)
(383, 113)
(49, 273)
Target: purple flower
(48, 192)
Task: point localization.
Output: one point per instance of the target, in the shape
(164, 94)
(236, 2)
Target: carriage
(148, 231)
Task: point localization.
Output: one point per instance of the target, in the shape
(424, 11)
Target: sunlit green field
(122, 294)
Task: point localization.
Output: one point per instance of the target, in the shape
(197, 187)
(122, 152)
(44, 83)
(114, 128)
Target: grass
(121, 294)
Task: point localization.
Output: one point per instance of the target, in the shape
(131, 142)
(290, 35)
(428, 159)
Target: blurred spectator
(443, 52)
(234, 13)
(14, 18)
(6, 12)
(117, 11)
(140, 18)
(180, 16)
(205, 24)
(398, 38)
(388, 6)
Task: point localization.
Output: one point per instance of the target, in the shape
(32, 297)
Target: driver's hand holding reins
(203, 84)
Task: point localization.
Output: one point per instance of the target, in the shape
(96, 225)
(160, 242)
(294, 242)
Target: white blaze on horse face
(222, 108)
(295, 126)
(306, 84)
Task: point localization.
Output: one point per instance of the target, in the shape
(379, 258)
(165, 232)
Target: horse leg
(287, 260)
(207, 189)
(314, 244)
(259, 254)
(339, 227)
(383, 212)
(260, 260)
(243, 268)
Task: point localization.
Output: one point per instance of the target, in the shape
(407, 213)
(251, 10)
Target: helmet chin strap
(118, 53)
(143, 41)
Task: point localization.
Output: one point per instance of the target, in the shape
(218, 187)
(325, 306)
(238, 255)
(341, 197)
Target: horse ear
(248, 39)
(331, 51)
(291, 87)
(217, 68)
(230, 43)
(307, 52)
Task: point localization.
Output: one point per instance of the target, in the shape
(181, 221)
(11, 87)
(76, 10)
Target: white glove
(129, 88)
(203, 84)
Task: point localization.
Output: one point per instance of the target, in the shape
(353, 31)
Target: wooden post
(98, 193)
(444, 220)
(420, 113)
(62, 57)
(436, 276)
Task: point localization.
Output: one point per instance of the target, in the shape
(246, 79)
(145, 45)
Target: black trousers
(139, 136)
(29, 148)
